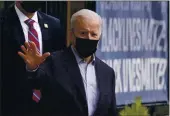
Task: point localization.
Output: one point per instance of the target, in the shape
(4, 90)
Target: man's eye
(82, 33)
(94, 34)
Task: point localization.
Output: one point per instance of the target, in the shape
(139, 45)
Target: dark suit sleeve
(40, 77)
(112, 109)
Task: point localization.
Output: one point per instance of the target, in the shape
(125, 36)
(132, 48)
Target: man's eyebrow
(83, 30)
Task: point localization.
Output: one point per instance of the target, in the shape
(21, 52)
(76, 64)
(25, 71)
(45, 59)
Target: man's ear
(71, 35)
(70, 38)
(99, 41)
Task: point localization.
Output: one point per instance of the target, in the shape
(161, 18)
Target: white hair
(86, 13)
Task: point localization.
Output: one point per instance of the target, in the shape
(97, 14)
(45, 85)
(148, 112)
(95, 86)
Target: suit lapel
(100, 75)
(73, 70)
(44, 30)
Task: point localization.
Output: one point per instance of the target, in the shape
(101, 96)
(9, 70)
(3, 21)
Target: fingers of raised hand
(33, 47)
(24, 49)
(30, 48)
(22, 55)
(27, 45)
(44, 56)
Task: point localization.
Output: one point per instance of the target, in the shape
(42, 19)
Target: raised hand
(31, 56)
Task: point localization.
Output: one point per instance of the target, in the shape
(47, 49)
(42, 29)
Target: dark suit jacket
(63, 91)
(16, 92)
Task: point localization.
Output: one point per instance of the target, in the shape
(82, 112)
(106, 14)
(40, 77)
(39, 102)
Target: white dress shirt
(25, 28)
(90, 83)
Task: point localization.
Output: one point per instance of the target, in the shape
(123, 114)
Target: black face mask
(86, 47)
(31, 6)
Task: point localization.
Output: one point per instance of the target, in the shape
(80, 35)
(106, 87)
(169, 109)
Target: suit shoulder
(4, 13)
(56, 53)
(55, 56)
(49, 17)
(105, 66)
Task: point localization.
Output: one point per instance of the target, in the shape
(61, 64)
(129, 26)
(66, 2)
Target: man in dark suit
(22, 22)
(74, 81)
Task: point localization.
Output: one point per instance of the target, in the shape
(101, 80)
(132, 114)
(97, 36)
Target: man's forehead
(83, 22)
(86, 19)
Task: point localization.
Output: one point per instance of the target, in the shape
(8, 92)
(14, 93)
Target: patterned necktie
(33, 37)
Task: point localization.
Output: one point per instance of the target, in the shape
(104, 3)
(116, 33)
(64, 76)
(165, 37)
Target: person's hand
(31, 56)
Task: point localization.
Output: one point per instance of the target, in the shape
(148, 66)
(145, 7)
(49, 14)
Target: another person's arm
(37, 67)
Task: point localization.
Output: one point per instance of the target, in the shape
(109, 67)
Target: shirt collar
(23, 17)
(79, 59)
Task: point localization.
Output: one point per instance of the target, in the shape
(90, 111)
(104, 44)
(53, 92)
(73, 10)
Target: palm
(31, 56)
(33, 59)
